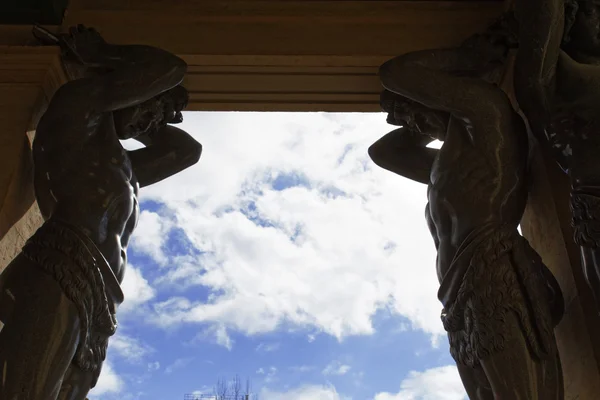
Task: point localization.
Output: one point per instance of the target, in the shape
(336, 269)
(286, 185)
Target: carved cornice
(285, 55)
(20, 35)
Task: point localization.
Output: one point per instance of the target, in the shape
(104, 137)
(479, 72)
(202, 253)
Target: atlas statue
(500, 303)
(59, 296)
(557, 85)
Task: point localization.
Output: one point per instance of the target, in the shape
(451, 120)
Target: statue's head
(151, 115)
(415, 116)
(582, 29)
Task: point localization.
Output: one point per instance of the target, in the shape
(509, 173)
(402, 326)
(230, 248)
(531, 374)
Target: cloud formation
(108, 382)
(336, 368)
(129, 348)
(442, 383)
(153, 228)
(267, 347)
(293, 225)
(136, 289)
(178, 364)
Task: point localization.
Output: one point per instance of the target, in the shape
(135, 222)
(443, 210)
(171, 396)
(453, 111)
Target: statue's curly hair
(178, 98)
(386, 101)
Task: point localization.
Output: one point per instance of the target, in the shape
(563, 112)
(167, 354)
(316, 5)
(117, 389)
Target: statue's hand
(85, 45)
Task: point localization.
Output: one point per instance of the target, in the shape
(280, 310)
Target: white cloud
(442, 383)
(306, 392)
(216, 334)
(129, 348)
(324, 256)
(108, 382)
(151, 234)
(153, 366)
(358, 378)
(270, 374)
(336, 368)
(268, 347)
(302, 368)
(178, 364)
(136, 289)
(223, 338)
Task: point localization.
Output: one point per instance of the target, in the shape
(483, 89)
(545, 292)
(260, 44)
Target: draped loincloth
(85, 277)
(585, 210)
(494, 272)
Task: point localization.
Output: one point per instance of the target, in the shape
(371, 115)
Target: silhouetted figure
(500, 302)
(59, 296)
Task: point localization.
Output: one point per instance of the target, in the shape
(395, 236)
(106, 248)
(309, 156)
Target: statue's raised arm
(444, 79)
(115, 76)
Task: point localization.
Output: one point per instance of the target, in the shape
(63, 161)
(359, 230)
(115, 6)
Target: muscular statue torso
(85, 177)
(476, 180)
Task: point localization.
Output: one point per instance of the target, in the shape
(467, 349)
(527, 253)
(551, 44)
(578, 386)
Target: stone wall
(13, 241)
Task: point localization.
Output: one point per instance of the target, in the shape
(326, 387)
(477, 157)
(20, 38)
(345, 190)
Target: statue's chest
(453, 160)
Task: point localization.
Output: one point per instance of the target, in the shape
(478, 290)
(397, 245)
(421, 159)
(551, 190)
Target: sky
(285, 256)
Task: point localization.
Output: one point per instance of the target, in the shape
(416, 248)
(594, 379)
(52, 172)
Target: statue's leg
(501, 322)
(515, 373)
(475, 382)
(39, 333)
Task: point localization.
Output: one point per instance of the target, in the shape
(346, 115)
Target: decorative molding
(258, 55)
(20, 35)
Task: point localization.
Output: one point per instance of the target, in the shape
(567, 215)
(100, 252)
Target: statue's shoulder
(69, 119)
(71, 105)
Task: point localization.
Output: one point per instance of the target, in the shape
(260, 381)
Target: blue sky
(285, 257)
